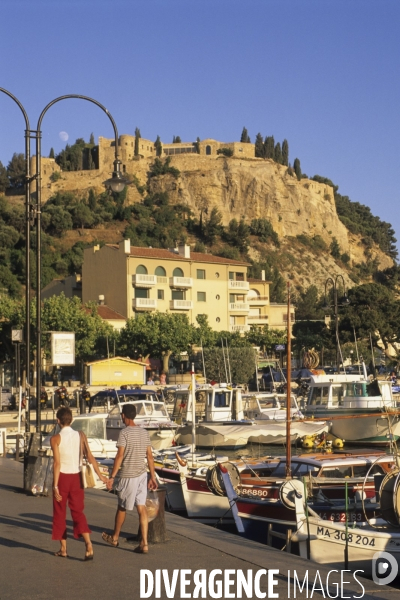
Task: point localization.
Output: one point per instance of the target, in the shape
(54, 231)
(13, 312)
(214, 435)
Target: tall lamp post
(116, 183)
(343, 301)
(28, 217)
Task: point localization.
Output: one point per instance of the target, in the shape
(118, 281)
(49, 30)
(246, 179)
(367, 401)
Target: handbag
(86, 470)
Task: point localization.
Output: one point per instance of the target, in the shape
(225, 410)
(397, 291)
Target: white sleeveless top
(69, 450)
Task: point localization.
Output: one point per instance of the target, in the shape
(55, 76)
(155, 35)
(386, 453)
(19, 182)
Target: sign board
(63, 348)
(17, 335)
(280, 348)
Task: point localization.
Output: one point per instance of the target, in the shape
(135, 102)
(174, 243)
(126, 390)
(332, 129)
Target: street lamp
(116, 183)
(28, 216)
(343, 301)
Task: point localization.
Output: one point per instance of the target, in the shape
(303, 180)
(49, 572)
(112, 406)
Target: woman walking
(67, 485)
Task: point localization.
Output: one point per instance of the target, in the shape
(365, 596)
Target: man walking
(133, 448)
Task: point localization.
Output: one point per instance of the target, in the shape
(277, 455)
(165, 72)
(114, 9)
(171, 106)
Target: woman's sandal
(109, 539)
(142, 549)
(60, 554)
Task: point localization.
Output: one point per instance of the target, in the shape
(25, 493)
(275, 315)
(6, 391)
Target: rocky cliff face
(242, 187)
(257, 188)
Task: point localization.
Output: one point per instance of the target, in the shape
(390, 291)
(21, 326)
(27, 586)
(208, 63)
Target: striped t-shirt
(135, 440)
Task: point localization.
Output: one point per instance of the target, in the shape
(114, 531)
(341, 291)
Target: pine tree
(259, 146)
(285, 153)
(244, 138)
(297, 168)
(137, 138)
(176, 140)
(196, 144)
(158, 146)
(51, 153)
(335, 248)
(91, 141)
(92, 200)
(269, 147)
(278, 154)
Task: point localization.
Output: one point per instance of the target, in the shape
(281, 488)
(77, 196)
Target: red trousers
(71, 490)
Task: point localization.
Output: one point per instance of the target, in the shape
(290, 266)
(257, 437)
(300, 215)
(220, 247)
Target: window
(160, 271)
(208, 149)
(201, 274)
(232, 298)
(160, 294)
(178, 294)
(218, 320)
(177, 272)
(218, 297)
(141, 293)
(201, 296)
(141, 270)
(217, 275)
(231, 275)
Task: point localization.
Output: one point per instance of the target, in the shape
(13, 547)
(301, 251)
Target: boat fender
(180, 460)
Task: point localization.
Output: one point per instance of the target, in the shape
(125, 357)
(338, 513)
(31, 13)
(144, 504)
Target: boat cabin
(348, 392)
(213, 403)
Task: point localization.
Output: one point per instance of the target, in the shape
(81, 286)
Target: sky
(323, 74)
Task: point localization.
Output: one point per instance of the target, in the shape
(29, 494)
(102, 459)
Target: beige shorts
(132, 491)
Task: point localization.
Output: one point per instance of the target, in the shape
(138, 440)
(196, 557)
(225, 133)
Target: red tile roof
(194, 256)
(250, 279)
(107, 313)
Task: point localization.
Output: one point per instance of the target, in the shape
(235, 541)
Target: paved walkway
(28, 568)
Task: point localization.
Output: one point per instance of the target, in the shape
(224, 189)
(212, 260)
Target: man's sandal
(109, 539)
(60, 554)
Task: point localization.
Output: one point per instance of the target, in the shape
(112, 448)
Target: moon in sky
(63, 135)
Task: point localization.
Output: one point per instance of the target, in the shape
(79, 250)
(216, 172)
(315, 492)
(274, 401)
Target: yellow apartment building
(131, 279)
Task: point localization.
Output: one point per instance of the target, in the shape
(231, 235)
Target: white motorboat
(225, 426)
(265, 405)
(359, 411)
(349, 545)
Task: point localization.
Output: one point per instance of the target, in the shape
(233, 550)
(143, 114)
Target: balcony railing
(240, 328)
(257, 299)
(144, 280)
(144, 303)
(181, 282)
(162, 279)
(239, 306)
(181, 304)
(233, 284)
(258, 318)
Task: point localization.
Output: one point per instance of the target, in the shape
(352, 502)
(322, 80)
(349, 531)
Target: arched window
(177, 272)
(160, 271)
(208, 149)
(254, 294)
(141, 270)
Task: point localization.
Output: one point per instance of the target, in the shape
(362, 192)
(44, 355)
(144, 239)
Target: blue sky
(324, 74)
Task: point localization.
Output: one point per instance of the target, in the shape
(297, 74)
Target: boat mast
(288, 380)
(193, 394)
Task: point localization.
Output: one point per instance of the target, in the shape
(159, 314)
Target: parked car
(6, 399)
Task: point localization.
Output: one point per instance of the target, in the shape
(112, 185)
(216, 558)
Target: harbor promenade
(29, 569)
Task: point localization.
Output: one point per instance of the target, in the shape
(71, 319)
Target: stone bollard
(157, 530)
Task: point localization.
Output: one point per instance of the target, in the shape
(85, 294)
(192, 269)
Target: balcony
(144, 304)
(181, 304)
(239, 328)
(238, 285)
(258, 319)
(144, 281)
(239, 307)
(181, 282)
(162, 280)
(257, 300)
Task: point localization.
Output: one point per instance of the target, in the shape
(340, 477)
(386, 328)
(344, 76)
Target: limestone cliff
(249, 188)
(257, 188)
